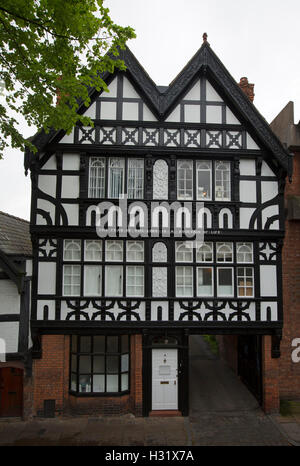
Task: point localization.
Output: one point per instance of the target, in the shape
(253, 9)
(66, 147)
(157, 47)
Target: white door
(164, 379)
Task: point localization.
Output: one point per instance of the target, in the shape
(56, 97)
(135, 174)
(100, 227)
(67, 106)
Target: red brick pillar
(270, 377)
(136, 391)
(50, 373)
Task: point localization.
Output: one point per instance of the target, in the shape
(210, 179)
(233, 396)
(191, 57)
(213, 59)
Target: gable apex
(206, 64)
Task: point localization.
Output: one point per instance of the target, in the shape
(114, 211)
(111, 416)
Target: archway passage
(11, 392)
(213, 385)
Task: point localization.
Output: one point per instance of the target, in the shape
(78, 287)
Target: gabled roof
(161, 103)
(14, 235)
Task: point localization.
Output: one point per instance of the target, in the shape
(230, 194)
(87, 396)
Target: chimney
(247, 88)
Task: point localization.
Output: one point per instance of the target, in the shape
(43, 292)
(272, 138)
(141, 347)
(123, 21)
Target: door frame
(183, 366)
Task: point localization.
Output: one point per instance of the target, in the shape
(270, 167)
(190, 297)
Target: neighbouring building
(111, 315)
(289, 367)
(15, 283)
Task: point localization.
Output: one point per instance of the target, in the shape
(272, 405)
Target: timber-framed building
(111, 316)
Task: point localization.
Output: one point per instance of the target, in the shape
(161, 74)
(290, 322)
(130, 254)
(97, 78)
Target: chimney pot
(247, 88)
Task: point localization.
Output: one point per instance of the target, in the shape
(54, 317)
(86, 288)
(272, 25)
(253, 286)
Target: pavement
(222, 413)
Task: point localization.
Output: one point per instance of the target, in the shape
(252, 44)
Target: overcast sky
(259, 39)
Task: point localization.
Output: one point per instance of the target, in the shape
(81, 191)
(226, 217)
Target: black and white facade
(200, 140)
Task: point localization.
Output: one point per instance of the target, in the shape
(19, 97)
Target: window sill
(98, 394)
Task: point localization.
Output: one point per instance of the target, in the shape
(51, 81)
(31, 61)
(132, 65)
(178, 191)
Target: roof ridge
(13, 216)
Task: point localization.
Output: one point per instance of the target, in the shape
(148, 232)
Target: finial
(204, 37)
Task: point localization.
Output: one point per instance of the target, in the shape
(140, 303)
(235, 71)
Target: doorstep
(165, 413)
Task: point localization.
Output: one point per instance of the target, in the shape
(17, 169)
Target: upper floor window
(224, 252)
(72, 249)
(244, 252)
(112, 184)
(185, 179)
(204, 180)
(222, 181)
(213, 180)
(184, 251)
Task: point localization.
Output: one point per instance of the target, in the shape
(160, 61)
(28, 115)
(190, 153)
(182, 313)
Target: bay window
(99, 364)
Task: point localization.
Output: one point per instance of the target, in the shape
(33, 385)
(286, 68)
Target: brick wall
(270, 377)
(228, 347)
(51, 381)
(289, 372)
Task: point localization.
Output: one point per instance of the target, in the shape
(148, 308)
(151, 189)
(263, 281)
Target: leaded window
(71, 280)
(222, 181)
(135, 180)
(116, 178)
(184, 281)
(204, 252)
(97, 177)
(204, 180)
(224, 252)
(93, 250)
(184, 251)
(99, 364)
(185, 179)
(135, 251)
(134, 280)
(244, 252)
(245, 281)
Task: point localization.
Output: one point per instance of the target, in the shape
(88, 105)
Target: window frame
(245, 286)
(210, 170)
(77, 353)
(212, 281)
(191, 163)
(184, 276)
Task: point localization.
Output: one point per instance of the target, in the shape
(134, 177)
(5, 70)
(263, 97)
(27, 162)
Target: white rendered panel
(70, 187)
(47, 184)
(112, 89)
(251, 144)
(68, 138)
(211, 93)
(10, 298)
(231, 118)
(40, 309)
(71, 162)
(269, 189)
(159, 282)
(72, 212)
(192, 113)
(9, 332)
(268, 280)
(247, 167)
(213, 114)
(274, 310)
(175, 115)
(248, 191)
(128, 90)
(130, 111)
(50, 164)
(48, 207)
(91, 111)
(108, 110)
(46, 277)
(147, 114)
(270, 212)
(266, 170)
(245, 216)
(194, 93)
(164, 310)
(160, 180)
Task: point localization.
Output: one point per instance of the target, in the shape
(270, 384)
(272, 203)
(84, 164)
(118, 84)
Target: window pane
(124, 382)
(124, 343)
(135, 181)
(112, 382)
(205, 281)
(114, 251)
(84, 383)
(72, 250)
(124, 362)
(135, 251)
(185, 179)
(135, 280)
(99, 364)
(204, 180)
(92, 280)
(84, 364)
(225, 286)
(93, 250)
(184, 281)
(224, 252)
(116, 177)
(85, 344)
(114, 280)
(205, 252)
(222, 181)
(74, 382)
(97, 177)
(99, 344)
(112, 344)
(99, 383)
(184, 251)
